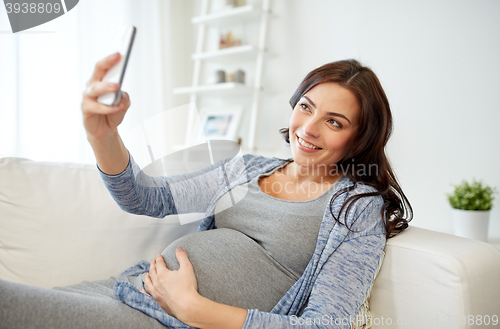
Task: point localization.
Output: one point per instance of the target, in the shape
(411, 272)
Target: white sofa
(59, 226)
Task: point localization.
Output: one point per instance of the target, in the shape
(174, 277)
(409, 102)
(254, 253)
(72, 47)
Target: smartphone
(122, 43)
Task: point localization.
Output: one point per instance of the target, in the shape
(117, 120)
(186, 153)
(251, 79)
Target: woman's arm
(141, 194)
(110, 153)
(101, 121)
(207, 314)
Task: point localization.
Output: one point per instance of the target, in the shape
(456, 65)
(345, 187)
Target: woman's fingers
(103, 66)
(93, 107)
(90, 104)
(125, 100)
(160, 264)
(152, 270)
(182, 258)
(156, 267)
(99, 88)
(149, 284)
(171, 289)
(144, 292)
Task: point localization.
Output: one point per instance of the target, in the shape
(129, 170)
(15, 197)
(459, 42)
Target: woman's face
(326, 117)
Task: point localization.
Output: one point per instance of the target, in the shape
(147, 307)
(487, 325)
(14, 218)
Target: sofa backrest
(59, 226)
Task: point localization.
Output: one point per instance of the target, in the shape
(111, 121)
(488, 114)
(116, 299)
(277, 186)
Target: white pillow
(59, 226)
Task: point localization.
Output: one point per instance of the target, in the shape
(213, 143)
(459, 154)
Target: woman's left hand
(174, 291)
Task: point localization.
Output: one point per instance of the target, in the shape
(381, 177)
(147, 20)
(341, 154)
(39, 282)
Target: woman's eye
(335, 123)
(304, 106)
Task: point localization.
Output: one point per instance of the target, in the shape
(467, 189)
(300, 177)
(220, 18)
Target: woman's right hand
(101, 120)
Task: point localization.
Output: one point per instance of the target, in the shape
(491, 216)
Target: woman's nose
(311, 127)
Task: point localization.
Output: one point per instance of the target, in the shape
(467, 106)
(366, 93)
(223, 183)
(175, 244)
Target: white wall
(439, 62)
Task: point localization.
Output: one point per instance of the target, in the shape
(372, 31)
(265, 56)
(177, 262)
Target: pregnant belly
(232, 269)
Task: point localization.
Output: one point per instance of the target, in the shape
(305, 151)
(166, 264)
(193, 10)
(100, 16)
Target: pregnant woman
(284, 243)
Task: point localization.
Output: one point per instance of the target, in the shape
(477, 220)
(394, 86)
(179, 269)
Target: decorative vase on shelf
(471, 206)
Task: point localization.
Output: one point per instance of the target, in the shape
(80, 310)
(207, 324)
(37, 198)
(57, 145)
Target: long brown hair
(368, 148)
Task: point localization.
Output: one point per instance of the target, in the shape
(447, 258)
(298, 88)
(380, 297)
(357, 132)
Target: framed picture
(219, 123)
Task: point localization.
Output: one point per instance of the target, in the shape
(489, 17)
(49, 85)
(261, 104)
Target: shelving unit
(247, 14)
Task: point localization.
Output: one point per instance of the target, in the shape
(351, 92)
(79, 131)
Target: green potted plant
(471, 205)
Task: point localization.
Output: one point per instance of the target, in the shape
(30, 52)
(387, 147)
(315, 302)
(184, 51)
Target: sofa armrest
(432, 279)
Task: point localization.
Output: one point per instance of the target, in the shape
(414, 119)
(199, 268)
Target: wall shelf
(233, 16)
(239, 51)
(216, 89)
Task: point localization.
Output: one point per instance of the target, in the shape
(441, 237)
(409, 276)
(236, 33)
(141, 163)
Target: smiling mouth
(306, 144)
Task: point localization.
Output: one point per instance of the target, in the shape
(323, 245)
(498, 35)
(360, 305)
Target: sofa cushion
(59, 226)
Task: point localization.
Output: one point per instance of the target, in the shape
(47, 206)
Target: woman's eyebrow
(328, 113)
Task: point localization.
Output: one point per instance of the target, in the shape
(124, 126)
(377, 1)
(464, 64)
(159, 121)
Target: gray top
(286, 230)
(260, 247)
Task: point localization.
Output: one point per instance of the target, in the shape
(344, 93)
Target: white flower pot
(472, 224)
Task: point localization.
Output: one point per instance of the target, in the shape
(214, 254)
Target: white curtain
(43, 72)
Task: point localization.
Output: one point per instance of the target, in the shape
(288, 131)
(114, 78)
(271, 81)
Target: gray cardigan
(334, 283)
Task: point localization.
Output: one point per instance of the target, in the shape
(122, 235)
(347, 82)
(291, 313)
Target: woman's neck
(308, 174)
